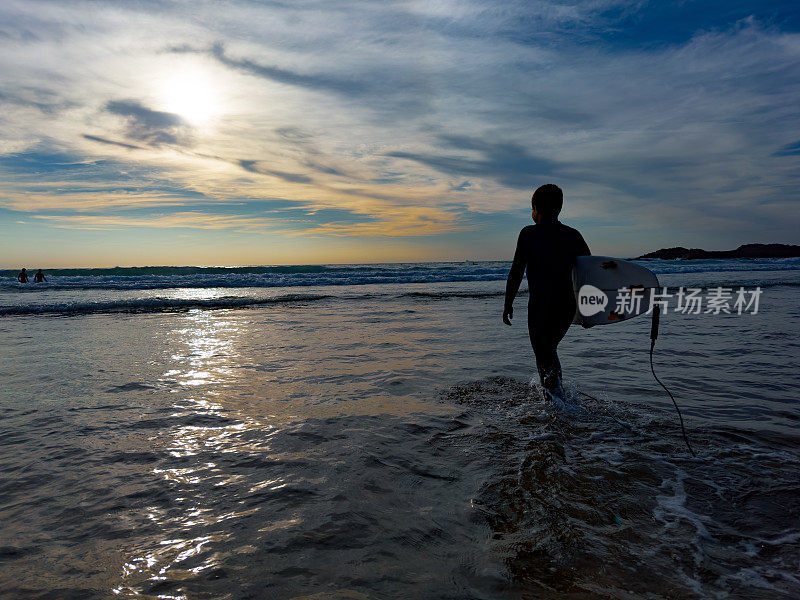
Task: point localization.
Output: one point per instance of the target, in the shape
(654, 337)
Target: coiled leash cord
(653, 337)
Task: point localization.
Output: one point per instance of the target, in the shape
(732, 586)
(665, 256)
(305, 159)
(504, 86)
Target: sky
(140, 132)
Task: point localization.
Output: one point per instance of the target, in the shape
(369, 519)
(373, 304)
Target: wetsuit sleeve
(517, 271)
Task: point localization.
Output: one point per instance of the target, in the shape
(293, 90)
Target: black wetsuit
(547, 251)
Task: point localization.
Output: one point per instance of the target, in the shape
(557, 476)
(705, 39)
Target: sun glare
(189, 93)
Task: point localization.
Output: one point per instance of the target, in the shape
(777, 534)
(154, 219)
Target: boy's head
(547, 200)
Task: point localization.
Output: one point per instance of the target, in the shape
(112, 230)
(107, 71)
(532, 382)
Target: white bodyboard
(610, 290)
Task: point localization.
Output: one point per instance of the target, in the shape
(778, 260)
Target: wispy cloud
(308, 222)
(187, 219)
(789, 150)
(96, 138)
(253, 167)
(153, 127)
(347, 87)
(510, 164)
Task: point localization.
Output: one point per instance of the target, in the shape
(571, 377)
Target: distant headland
(743, 251)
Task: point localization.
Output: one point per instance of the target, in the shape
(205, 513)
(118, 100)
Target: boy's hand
(508, 313)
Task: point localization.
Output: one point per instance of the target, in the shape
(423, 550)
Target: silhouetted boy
(39, 277)
(547, 252)
(23, 276)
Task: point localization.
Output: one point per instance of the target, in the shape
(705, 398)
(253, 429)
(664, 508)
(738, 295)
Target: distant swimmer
(23, 276)
(547, 251)
(39, 277)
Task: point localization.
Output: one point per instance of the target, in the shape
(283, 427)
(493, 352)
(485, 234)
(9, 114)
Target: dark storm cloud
(153, 127)
(252, 166)
(507, 163)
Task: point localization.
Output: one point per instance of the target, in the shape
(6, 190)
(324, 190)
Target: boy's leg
(547, 362)
(551, 374)
(545, 336)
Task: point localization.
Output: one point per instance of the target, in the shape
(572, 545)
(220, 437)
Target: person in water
(23, 276)
(39, 277)
(547, 251)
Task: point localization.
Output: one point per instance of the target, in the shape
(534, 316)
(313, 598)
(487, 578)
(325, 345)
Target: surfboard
(610, 290)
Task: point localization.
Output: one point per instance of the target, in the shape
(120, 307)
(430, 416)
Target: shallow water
(387, 443)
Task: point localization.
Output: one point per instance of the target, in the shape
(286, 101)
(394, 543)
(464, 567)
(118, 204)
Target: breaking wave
(125, 278)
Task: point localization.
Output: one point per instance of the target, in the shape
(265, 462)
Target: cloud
(47, 101)
(152, 127)
(187, 219)
(44, 179)
(398, 89)
(789, 150)
(508, 163)
(292, 222)
(253, 167)
(95, 138)
(409, 222)
(294, 135)
(347, 87)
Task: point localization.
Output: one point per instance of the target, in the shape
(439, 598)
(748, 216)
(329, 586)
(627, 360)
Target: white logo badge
(591, 300)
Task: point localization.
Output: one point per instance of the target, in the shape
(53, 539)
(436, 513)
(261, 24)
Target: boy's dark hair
(548, 200)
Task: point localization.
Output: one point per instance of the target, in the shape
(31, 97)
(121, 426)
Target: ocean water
(373, 431)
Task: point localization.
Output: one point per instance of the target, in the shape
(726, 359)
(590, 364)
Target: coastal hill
(743, 251)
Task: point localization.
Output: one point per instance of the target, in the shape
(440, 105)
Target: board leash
(653, 337)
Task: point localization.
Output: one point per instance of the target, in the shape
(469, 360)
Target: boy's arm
(514, 277)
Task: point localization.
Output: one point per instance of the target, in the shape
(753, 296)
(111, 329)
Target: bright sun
(189, 93)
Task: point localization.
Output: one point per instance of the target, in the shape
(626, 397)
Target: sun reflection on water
(208, 350)
(202, 367)
(236, 474)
